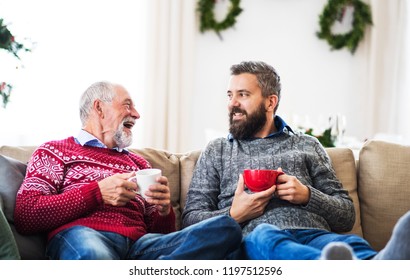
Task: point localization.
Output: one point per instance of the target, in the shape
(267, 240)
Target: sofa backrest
(169, 164)
(378, 183)
(384, 189)
(188, 162)
(178, 167)
(344, 164)
(20, 153)
(12, 171)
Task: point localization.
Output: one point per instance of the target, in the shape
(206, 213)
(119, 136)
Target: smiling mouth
(237, 116)
(129, 124)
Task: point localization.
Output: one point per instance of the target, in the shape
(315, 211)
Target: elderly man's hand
(116, 190)
(160, 195)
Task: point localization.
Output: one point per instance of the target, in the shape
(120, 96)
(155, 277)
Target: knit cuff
(167, 222)
(92, 194)
(315, 201)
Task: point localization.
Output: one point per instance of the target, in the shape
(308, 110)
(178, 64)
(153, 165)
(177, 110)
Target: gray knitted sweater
(216, 174)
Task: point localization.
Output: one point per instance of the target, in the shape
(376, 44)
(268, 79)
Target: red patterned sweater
(60, 190)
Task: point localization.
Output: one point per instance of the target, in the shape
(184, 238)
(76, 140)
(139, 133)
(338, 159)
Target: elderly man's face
(119, 118)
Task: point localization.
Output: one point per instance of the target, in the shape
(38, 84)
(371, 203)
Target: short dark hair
(268, 78)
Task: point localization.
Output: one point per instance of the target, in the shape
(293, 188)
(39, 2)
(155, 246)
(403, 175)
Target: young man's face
(246, 106)
(119, 119)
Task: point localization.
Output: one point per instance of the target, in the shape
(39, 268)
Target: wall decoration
(8, 43)
(207, 16)
(335, 11)
(325, 139)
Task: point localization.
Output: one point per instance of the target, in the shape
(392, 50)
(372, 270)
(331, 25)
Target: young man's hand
(247, 206)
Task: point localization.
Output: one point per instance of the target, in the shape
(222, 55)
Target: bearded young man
(77, 191)
(300, 217)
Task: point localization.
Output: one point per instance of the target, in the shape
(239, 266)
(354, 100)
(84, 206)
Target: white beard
(121, 138)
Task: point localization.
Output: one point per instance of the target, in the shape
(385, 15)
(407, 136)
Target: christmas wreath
(207, 17)
(334, 10)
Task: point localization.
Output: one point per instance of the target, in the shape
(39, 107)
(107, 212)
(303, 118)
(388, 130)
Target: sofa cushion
(169, 164)
(31, 247)
(8, 246)
(22, 154)
(12, 173)
(188, 162)
(384, 189)
(344, 164)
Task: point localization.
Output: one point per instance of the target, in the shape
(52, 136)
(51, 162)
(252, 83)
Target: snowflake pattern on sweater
(61, 190)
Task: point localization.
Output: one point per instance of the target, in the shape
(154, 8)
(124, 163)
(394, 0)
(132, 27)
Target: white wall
(315, 80)
(108, 43)
(78, 43)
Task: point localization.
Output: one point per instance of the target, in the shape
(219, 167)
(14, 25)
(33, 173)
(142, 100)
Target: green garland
(334, 11)
(207, 17)
(8, 43)
(325, 139)
(5, 91)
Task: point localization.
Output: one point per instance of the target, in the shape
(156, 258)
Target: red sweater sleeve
(157, 223)
(40, 206)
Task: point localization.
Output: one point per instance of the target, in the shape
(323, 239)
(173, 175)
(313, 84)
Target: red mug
(258, 180)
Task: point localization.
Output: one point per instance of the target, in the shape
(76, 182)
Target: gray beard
(121, 138)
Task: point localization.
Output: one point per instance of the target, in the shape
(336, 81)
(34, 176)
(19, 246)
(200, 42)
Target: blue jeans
(268, 242)
(214, 238)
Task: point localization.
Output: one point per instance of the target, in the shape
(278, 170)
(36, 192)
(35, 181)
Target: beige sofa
(378, 182)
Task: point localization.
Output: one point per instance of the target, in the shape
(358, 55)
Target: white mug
(145, 178)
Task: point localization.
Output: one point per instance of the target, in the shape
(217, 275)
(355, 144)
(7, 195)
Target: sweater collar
(85, 138)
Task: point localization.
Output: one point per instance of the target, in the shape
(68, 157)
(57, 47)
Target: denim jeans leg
(214, 238)
(320, 238)
(83, 243)
(268, 242)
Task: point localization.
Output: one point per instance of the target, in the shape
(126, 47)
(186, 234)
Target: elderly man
(77, 191)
